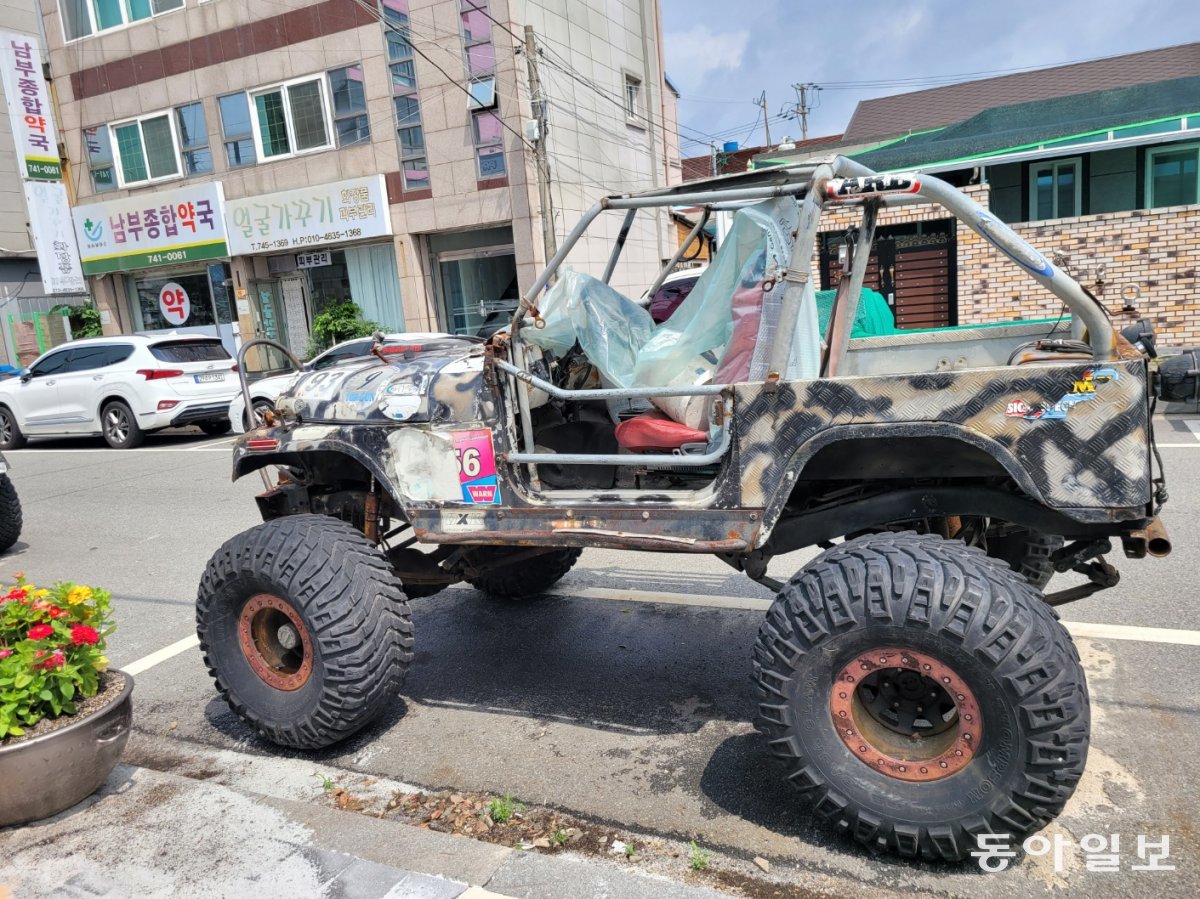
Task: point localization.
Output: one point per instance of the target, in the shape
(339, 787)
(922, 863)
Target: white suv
(121, 388)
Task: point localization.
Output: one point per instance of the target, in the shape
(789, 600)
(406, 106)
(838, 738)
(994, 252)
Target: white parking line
(147, 662)
(1174, 636)
(1193, 425)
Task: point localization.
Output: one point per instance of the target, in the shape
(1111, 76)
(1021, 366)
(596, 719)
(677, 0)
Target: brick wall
(1152, 255)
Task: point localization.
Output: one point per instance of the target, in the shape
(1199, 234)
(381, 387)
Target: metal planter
(50, 773)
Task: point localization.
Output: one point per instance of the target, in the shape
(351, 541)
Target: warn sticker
(476, 466)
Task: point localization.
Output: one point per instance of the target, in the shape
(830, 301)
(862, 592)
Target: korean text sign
(309, 216)
(29, 107)
(146, 230)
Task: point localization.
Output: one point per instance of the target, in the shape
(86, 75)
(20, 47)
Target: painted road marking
(1193, 425)
(1174, 636)
(147, 662)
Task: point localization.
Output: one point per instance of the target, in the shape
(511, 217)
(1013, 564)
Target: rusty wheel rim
(905, 714)
(275, 642)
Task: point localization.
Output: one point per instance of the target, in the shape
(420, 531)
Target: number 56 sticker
(476, 466)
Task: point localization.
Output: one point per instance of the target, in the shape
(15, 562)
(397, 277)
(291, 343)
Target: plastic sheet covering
(728, 313)
(873, 318)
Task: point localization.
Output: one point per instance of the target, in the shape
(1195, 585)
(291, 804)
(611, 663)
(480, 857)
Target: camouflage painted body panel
(1074, 437)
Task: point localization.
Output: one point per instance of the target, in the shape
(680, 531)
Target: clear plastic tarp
(721, 333)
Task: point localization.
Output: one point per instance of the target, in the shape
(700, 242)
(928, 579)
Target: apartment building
(239, 168)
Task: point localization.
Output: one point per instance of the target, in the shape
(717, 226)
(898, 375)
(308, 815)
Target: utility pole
(538, 101)
(802, 108)
(761, 102)
(713, 156)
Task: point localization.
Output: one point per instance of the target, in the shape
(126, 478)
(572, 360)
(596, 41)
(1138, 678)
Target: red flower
(40, 631)
(82, 634)
(56, 612)
(17, 593)
(55, 661)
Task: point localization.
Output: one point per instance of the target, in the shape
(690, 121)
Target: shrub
(51, 650)
(341, 321)
(85, 320)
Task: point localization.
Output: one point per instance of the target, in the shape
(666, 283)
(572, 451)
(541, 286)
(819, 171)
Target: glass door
(478, 288)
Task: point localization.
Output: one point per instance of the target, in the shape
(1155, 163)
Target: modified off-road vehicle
(913, 678)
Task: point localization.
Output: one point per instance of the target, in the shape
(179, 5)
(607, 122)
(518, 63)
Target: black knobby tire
(1028, 553)
(955, 606)
(215, 428)
(355, 622)
(119, 426)
(10, 513)
(523, 579)
(11, 437)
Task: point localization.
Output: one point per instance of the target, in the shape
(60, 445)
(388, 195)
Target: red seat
(654, 432)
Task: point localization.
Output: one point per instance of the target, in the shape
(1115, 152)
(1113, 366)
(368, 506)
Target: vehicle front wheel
(120, 427)
(10, 513)
(304, 628)
(215, 428)
(522, 579)
(11, 437)
(920, 693)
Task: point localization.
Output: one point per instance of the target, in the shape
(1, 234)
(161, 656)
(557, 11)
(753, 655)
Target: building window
(633, 98)
(350, 122)
(236, 130)
(414, 164)
(489, 146)
(1055, 189)
(1173, 176)
(147, 149)
(193, 139)
(83, 17)
(479, 53)
(291, 118)
(100, 159)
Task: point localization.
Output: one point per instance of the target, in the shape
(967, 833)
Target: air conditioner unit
(281, 265)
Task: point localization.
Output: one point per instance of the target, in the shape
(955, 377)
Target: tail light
(157, 374)
(233, 367)
(164, 405)
(262, 444)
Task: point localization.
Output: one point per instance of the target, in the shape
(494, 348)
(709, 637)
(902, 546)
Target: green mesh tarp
(873, 319)
(1020, 125)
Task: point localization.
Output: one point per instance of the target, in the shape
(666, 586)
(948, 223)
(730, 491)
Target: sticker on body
(476, 466)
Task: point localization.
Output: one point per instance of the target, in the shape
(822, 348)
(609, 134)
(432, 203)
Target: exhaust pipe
(1152, 540)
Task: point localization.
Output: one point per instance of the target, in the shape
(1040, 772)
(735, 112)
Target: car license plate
(209, 377)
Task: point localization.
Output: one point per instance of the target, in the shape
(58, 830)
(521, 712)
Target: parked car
(673, 291)
(265, 391)
(121, 388)
(10, 509)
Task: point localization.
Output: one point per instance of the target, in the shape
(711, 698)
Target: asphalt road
(626, 698)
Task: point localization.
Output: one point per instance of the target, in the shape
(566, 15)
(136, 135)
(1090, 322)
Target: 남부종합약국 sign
(146, 230)
(29, 107)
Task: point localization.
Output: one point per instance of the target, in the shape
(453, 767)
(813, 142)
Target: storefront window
(329, 284)
(476, 286)
(144, 292)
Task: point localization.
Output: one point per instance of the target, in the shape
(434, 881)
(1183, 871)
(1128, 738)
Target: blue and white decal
(1026, 257)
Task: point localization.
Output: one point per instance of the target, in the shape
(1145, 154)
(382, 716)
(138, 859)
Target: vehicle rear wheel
(304, 628)
(1028, 553)
(11, 437)
(10, 513)
(215, 428)
(920, 693)
(261, 408)
(119, 426)
(524, 578)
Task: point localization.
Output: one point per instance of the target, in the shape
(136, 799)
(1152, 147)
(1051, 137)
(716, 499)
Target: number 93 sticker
(476, 466)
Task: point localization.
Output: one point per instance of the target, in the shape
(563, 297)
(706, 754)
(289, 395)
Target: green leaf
(46, 695)
(23, 680)
(15, 731)
(68, 689)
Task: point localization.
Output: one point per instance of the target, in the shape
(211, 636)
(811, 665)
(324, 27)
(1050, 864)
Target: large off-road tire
(11, 437)
(10, 513)
(1028, 553)
(120, 426)
(523, 579)
(920, 693)
(304, 628)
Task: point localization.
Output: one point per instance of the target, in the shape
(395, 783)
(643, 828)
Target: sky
(722, 55)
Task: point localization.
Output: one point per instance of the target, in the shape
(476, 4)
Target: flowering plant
(51, 650)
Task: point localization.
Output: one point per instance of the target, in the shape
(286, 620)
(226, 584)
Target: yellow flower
(78, 595)
(102, 663)
(38, 594)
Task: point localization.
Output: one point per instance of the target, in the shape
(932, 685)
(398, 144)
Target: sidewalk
(232, 825)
